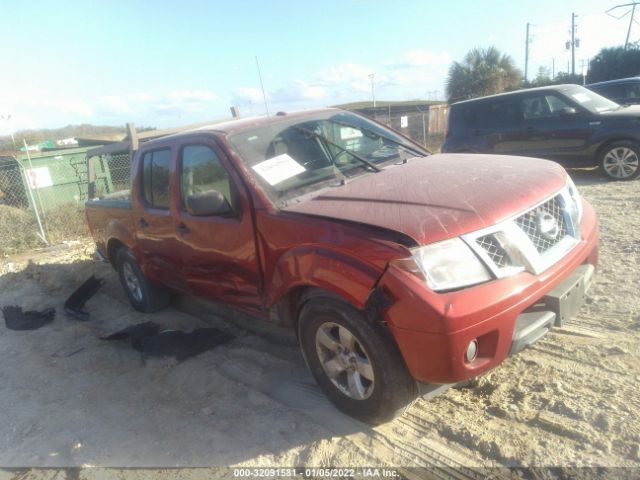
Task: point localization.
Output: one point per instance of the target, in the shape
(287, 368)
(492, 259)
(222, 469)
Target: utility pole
(373, 91)
(573, 43)
(633, 12)
(631, 20)
(553, 69)
(526, 54)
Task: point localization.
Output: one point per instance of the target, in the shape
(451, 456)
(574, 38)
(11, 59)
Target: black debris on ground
(170, 343)
(16, 319)
(75, 303)
(182, 345)
(135, 333)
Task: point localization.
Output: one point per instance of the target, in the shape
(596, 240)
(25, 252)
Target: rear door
(156, 237)
(218, 252)
(494, 126)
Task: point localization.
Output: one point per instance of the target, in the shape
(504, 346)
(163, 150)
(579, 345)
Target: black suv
(566, 123)
(625, 91)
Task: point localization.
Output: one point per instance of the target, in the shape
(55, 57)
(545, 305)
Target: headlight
(446, 265)
(574, 207)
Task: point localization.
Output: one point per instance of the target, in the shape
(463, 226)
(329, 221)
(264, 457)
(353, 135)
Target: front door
(555, 129)
(219, 257)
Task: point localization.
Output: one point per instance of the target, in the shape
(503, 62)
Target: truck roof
(234, 126)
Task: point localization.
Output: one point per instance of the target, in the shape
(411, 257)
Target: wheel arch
(607, 143)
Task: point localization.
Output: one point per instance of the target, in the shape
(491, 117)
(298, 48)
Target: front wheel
(353, 361)
(621, 160)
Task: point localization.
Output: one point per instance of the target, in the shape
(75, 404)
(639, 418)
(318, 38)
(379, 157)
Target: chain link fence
(424, 126)
(42, 202)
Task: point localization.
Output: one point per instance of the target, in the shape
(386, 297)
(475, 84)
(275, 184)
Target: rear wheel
(143, 295)
(354, 362)
(621, 160)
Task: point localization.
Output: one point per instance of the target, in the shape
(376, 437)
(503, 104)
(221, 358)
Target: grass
(19, 227)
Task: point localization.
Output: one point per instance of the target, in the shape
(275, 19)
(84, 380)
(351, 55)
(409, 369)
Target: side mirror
(567, 111)
(208, 203)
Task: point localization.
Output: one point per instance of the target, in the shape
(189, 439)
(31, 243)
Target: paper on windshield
(278, 169)
(581, 97)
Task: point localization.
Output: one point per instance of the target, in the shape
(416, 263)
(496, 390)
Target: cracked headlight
(446, 265)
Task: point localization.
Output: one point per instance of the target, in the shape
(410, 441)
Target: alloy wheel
(345, 361)
(131, 279)
(621, 162)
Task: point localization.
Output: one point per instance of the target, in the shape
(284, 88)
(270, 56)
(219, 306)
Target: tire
(353, 360)
(144, 296)
(621, 160)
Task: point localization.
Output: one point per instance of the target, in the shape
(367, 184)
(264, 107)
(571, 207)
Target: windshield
(303, 155)
(590, 100)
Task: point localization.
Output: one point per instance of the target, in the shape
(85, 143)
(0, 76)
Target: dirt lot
(70, 399)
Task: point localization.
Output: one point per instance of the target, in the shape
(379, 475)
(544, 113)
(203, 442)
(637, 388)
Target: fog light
(472, 350)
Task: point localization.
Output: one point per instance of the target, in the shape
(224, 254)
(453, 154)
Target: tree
(482, 72)
(615, 62)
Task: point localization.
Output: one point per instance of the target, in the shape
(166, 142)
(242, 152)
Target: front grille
(544, 225)
(494, 250)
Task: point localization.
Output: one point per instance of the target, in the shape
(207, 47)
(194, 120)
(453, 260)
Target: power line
(632, 11)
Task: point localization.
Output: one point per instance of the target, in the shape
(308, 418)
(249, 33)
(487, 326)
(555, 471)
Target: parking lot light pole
(373, 93)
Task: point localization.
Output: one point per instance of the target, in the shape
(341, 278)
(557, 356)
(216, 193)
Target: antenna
(264, 97)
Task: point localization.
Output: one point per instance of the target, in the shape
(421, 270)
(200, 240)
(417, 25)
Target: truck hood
(440, 196)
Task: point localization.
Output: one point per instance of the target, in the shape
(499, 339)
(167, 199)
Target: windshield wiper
(329, 142)
(375, 134)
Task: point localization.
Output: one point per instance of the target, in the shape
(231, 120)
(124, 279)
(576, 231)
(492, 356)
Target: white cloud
(350, 76)
(298, 91)
(115, 105)
(193, 95)
(246, 95)
(420, 58)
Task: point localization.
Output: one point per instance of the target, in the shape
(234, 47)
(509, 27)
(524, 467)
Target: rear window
(498, 114)
(155, 178)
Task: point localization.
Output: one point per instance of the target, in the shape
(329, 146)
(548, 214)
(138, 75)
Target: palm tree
(482, 72)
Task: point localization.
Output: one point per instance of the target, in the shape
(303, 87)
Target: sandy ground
(69, 399)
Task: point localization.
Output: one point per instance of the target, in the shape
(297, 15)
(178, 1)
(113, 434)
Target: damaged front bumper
(434, 330)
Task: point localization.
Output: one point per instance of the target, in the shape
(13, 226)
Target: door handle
(182, 229)
(142, 223)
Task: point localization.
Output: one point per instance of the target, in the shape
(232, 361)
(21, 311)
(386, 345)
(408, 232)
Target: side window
(614, 91)
(632, 91)
(155, 178)
(542, 106)
(498, 114)
(202, 171)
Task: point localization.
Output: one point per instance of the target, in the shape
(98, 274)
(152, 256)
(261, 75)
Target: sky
(169, 63)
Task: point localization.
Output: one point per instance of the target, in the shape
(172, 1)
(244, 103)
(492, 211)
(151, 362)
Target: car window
(201, 171)
(632, 91)
(542, 106)
(155, 178)
(612, 91)
(496, 114)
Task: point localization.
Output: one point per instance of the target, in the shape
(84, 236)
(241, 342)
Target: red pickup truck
(399, 270)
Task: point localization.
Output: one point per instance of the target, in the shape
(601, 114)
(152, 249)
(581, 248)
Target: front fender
(324, 268)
